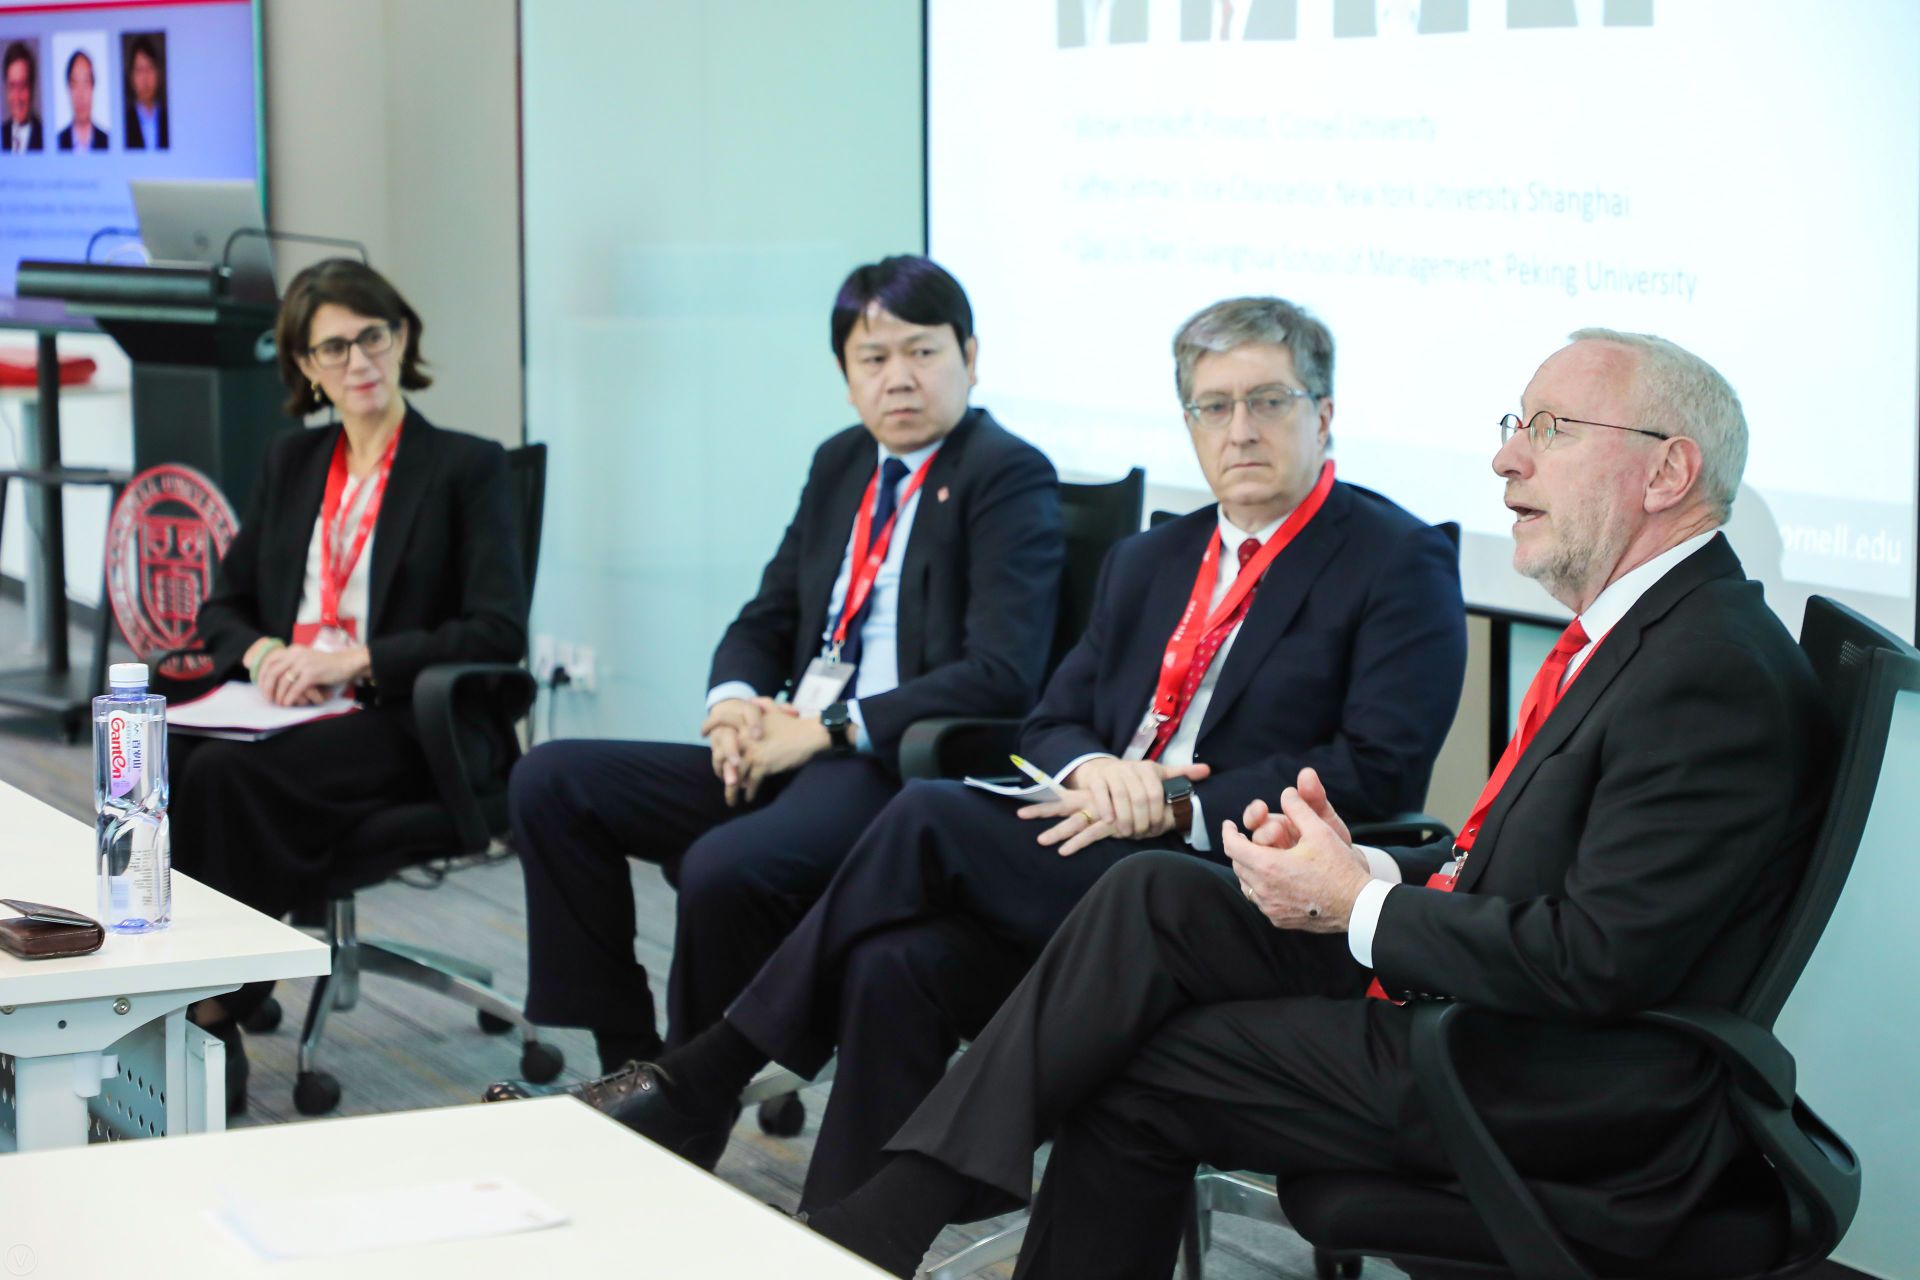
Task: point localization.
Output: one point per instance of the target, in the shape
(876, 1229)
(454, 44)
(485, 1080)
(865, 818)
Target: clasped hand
(1108, 797)
(299, 675)
(1299, 866)
(754, 739)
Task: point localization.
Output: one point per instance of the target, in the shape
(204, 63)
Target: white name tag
(1143, 737)
(823, 685)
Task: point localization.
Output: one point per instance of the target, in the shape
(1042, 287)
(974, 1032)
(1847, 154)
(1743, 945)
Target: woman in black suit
(375, 546)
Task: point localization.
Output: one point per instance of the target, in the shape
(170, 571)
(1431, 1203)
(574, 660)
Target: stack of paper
(237, 709)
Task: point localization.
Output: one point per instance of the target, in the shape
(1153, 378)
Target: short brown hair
(349, 283)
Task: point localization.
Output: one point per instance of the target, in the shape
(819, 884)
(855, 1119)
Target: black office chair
(1489, 1226)
(467, 715)
(1095, 517)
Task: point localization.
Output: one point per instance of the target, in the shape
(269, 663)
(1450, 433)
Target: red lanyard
(334, 571)
(867, 560)
(1178, 659)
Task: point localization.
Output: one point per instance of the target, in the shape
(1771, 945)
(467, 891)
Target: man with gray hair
(1636, 846)
(1296, 622)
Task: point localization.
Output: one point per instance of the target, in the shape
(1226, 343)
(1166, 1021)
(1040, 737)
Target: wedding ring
(1246, 893)
(1088, 815)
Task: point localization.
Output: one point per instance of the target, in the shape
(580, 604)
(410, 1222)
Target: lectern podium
(205, 389)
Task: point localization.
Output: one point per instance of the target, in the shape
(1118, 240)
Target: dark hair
(916, 289)
(349, 283)
(142, 44)
(77, 55)
(18, 52)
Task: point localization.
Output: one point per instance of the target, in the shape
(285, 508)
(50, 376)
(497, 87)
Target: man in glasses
(1294, 622)
(1635, 846)
(917, 579)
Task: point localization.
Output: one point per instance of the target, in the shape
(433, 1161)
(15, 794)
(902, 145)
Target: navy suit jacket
(978, 586)
(1350, 660)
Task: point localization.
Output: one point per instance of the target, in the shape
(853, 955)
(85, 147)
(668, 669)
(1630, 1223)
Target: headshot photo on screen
(21, 131)
(1084, 22)
(143, 62)
(83, 95)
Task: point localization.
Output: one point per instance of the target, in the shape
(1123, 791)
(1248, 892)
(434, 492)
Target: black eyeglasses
(375, 340)
(1542, 427)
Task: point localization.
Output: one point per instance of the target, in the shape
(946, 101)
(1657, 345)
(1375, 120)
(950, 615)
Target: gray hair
(1678, 392)
(1239, 321)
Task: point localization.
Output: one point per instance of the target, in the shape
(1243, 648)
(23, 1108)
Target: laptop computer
(192, 222)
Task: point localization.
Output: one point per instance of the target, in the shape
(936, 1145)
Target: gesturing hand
(1304, 873)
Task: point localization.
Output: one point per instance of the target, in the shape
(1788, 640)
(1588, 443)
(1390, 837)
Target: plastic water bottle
(135, 857)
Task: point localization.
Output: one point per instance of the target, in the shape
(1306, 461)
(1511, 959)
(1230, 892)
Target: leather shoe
(600, 1093)
(648, 1108)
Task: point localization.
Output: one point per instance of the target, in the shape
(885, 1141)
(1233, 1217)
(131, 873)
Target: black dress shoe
(648, 1108)
(600, 1093)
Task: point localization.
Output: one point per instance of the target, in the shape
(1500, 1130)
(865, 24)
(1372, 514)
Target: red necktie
(1203, 657)
(1543, 695)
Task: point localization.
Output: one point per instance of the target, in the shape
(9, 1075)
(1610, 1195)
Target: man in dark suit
(82, 134)
(1297, 622)
(145, 127)
(21, 131)
(918, 578)
(1635, 846)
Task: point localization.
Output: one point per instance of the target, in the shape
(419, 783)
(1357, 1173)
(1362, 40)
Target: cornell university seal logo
(167, 535)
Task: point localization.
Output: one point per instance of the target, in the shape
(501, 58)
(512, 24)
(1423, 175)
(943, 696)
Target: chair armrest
(506, 691)
(955, 746)
(1401, 829)
(1519, 1226)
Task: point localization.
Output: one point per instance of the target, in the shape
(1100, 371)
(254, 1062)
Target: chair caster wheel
(264, 1019)
(1336, 1266)
(494, 1024)
(784, 1116)
(315, 1093)
(541, 1063)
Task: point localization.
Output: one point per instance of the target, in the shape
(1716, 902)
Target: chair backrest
(1096, 516)
(1861, 667)
(528, 466)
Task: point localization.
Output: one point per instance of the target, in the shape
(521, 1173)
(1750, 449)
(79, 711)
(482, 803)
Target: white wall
(699, 179)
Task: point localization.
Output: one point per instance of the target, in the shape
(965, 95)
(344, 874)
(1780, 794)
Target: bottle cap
(125, 674)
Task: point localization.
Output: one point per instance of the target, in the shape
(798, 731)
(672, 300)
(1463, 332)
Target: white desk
(57, 1016)
(139, 1208)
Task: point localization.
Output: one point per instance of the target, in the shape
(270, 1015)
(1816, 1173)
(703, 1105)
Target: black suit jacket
(99, 142)
(36, 137)
(1350, 660)
(978, 586)
(134, 139)
(1642, 852)
(445, 584)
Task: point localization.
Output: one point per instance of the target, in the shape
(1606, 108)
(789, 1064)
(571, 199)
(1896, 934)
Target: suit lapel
(1278, 600)
(1165, 595)
(293, 538)
(406, 490)
(836, 519)
(1608, 660)
(930, 541)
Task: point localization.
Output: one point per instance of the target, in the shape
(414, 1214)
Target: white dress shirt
(353, 597)
(1180, 747)
(879, 670)
(1601, 616)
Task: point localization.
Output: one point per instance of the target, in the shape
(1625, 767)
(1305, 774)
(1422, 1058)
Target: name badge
(1142, 740)
(823, 685)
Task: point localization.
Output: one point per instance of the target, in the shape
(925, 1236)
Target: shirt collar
(1624, 592)
(1232, 535)
(913, 460)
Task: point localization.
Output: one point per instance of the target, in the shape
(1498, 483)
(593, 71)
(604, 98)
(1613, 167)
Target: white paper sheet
(1018, 790)
(238, 707)
(356, 1221)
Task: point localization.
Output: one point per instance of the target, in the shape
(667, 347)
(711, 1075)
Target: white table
(59, 1018)
(140, 1208)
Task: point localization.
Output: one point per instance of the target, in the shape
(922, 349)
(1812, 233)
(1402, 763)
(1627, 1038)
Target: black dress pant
(262, 821)
(1168, 1024)
(580, 809)
(936, 915)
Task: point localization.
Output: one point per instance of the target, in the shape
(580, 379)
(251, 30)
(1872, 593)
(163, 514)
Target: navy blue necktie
(892, 472)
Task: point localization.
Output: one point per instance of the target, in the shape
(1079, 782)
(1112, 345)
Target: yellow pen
(1027, 768)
